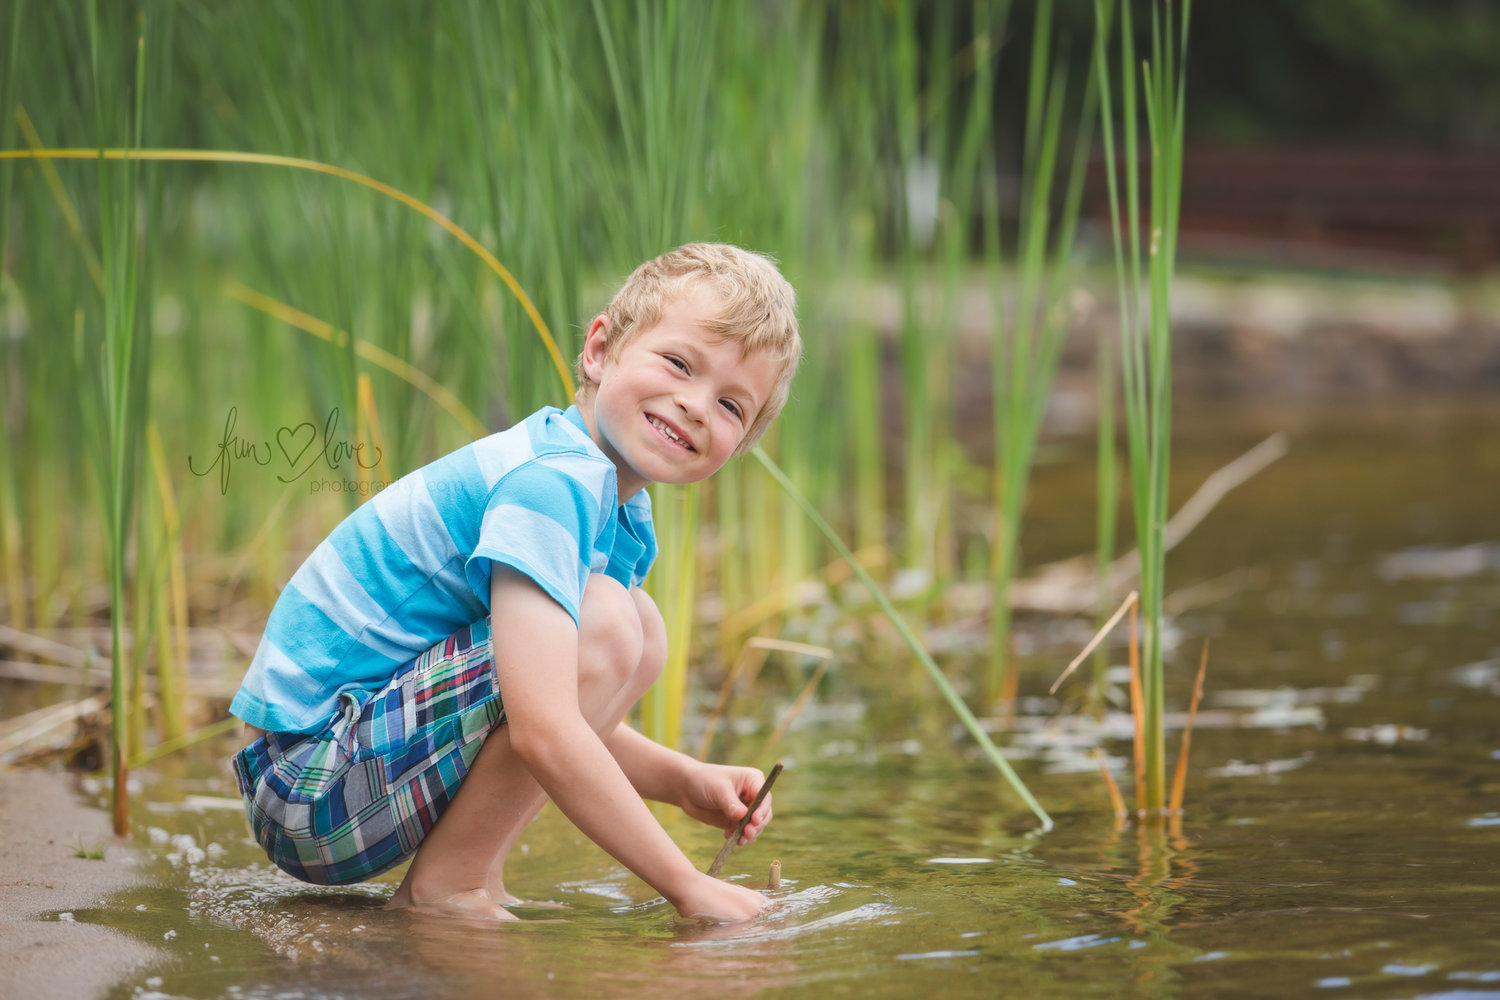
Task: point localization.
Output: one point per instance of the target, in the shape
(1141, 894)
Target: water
(1341, 839)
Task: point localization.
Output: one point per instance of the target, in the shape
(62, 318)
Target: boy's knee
(610, 633)
(653, 639)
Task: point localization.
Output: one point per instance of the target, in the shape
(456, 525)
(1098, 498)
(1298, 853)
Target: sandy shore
(42, 825)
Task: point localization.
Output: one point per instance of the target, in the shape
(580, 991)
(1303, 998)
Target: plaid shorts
(348, 802)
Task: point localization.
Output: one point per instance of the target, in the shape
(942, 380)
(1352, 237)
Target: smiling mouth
(668, 433)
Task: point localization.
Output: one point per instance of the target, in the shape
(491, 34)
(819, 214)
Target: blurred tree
(1398, 72)
(1306, 72)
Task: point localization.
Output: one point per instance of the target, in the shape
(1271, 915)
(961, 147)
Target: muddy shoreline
(44, 826)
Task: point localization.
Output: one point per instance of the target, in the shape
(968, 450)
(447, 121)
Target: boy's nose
(693, 404)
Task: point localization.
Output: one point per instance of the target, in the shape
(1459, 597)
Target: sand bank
(43, 823)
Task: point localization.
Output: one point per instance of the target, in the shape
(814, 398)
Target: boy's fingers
(757, 824)
(763, 814)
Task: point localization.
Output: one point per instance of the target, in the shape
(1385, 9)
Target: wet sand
(42, 825)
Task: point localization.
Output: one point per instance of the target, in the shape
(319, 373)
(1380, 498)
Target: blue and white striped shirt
(411, 566)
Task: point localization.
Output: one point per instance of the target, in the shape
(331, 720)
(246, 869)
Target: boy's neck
(628, 483)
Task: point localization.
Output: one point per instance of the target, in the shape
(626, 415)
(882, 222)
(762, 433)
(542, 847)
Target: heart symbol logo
(288, 437)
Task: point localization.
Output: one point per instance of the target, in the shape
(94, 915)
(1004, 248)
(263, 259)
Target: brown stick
(739, 828)
(1098, 637)
(1070, 586)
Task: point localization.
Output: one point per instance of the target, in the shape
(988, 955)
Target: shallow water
(1342, 834)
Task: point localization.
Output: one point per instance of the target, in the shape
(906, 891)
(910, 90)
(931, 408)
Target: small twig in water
(1098, 636)
(797, 707)
(739, 828)
(748, 661)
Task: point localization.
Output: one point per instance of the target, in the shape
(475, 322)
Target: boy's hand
(720, 795)
(721, 902)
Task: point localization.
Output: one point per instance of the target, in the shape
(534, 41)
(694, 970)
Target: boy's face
(675, 402)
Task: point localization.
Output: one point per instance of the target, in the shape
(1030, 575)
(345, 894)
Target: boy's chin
(673, 474)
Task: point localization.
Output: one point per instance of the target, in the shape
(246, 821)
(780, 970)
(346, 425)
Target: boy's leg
(465, 851)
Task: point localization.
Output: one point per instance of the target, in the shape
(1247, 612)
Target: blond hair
(757, 308)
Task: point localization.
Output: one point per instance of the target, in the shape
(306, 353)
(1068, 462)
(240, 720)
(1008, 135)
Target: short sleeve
(634, 551)
(544, 519)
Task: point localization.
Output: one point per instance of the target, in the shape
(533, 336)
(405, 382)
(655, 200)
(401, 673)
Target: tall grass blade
(1026, 354)
(918, 650)
(124, 382)
(11, 545)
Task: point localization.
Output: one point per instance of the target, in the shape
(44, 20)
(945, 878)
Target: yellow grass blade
(64, 202)
(1115, 799)
(803, 698)
(1137, 709)
(1179, 780)
(377, 356)
(749, 662)
(368, 419)
(297, 163)
(1125, 606)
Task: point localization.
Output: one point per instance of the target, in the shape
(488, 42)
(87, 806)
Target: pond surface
(1341, 837)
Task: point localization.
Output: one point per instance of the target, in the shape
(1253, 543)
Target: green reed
(1145, 321)
(12, 577)
(126, 359)
(1027, 349)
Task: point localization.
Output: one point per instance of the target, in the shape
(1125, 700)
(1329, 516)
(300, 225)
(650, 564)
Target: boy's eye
(676, 362)
(733, 408)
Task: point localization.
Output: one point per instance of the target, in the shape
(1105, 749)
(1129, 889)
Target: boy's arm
(536, 658)
(711, 793)
(656, 772)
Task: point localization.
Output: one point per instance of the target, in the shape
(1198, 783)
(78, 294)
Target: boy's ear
(596, 348)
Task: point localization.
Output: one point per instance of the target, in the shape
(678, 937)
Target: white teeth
(667, 432)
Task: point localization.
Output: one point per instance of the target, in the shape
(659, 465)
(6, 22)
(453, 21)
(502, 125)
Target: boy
(526, 550)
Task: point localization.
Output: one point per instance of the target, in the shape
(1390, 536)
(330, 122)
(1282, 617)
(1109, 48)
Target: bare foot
(504, 898)
(473, 904)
